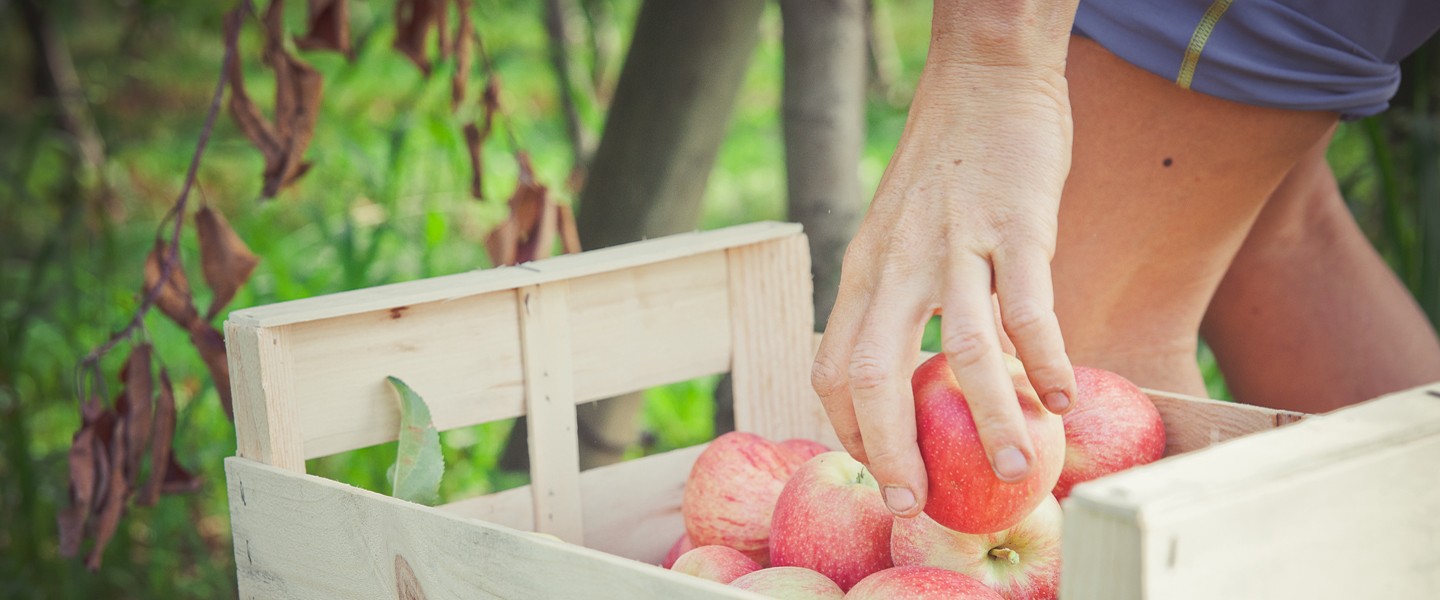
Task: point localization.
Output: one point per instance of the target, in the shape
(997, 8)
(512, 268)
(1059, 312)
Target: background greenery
(386, 201)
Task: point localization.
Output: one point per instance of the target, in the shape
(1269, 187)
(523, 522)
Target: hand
(967, 206)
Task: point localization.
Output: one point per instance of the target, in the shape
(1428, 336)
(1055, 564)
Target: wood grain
(267, 426)
(303, 537)
(550, 403)
(772, 320)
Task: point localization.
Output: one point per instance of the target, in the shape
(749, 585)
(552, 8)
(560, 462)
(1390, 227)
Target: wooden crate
(1349, 492)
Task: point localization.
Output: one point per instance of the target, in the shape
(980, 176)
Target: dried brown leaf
(473, 142)
(178, 480)
(442, 28)
(139, 410)
(211, 346)
(297, 108)
(83, 483)
(173, 298)
(109, 510)
(463, 51)
(500, 243)
(226, 260)
(247, 116)
(162, 436)
(569, 234)
(329, 22)
(413, 21)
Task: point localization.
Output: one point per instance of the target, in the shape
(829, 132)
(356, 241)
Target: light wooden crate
(1352, 495)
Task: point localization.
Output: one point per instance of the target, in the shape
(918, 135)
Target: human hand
(967, 206)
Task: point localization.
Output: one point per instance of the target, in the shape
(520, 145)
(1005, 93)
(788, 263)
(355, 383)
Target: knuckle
(965, 345)
(1025, 319)
(826, 377)
(868, 369)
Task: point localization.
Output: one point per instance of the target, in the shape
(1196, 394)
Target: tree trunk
(825, 76)
(667, 119)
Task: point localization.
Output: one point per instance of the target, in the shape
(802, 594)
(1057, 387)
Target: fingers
(828, 374)
(972, 349)
(1027, 304)
(886, 350)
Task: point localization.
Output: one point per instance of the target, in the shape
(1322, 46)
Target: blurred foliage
(387, 200)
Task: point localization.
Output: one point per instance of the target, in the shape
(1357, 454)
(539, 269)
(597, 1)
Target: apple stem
(1006, 554)
(860, 477)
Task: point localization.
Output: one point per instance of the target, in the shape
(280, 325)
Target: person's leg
(1163, 187)
(1309, 317)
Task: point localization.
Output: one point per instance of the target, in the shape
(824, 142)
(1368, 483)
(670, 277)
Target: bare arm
(967, 207)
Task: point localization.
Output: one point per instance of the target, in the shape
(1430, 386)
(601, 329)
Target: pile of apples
(792, 519)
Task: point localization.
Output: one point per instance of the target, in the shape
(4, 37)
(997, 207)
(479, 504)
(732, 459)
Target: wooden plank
(267, 428)
(1192, 423)
(304, 537)
(474, 283)
(462, 356)
(632, 509)
(550, 404)
(772, 322)
(630, 329)
(1337, 505)
(650, 325)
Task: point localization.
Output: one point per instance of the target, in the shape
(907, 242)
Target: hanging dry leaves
(112, 505)
(329, 22)
(465, 30)
(178, 480)
(139, 403)
(475, 135)
(173, 298)
(226, 260)
(298, 88)
(569, 234)
(211, 345)
(162, 437)
(413, 21)
(83, 483)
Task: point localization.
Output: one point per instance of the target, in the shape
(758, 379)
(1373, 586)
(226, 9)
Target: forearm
(1002, 33)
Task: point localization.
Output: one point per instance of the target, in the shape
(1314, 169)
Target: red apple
(790, 583)
(716, 563)
(1112, 426)
(681, 546)
(830, 518)
(803, 449)
(965, 494)
(1021, 563)
(731, 492)
(920, 583)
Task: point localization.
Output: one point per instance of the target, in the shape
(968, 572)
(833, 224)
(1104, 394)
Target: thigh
(1309, 317)
(1163, 188)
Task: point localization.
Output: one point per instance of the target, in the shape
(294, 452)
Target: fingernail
(899, 499)
(1010, 464)
(1057, 401)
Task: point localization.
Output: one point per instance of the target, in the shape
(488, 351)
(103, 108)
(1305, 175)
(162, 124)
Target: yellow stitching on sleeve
(1198, 39)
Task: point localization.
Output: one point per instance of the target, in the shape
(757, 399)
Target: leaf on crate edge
(419, 465)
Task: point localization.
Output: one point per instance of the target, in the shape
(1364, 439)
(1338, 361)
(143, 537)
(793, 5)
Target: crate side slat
(268, 428)
(461, 285)
(1106, 565)
(660, 323)
(630, 329)
(298, 536)
(550, 404)
(1301, 511)
(631, 509)
(1192, 423)
(773, 320)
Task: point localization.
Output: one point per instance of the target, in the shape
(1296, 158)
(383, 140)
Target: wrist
(1030, 35)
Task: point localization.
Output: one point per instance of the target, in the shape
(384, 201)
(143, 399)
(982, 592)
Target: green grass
(387, 200)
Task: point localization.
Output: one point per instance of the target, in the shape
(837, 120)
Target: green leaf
(415, 476)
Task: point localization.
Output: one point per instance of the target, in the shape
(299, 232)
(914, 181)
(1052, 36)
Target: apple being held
(965, 494)
(1021, 563)
(830, 518)
(716, 563)
(1112, 426)
(920, 583)
(790, 583)
(731, 492)
(803, 449)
